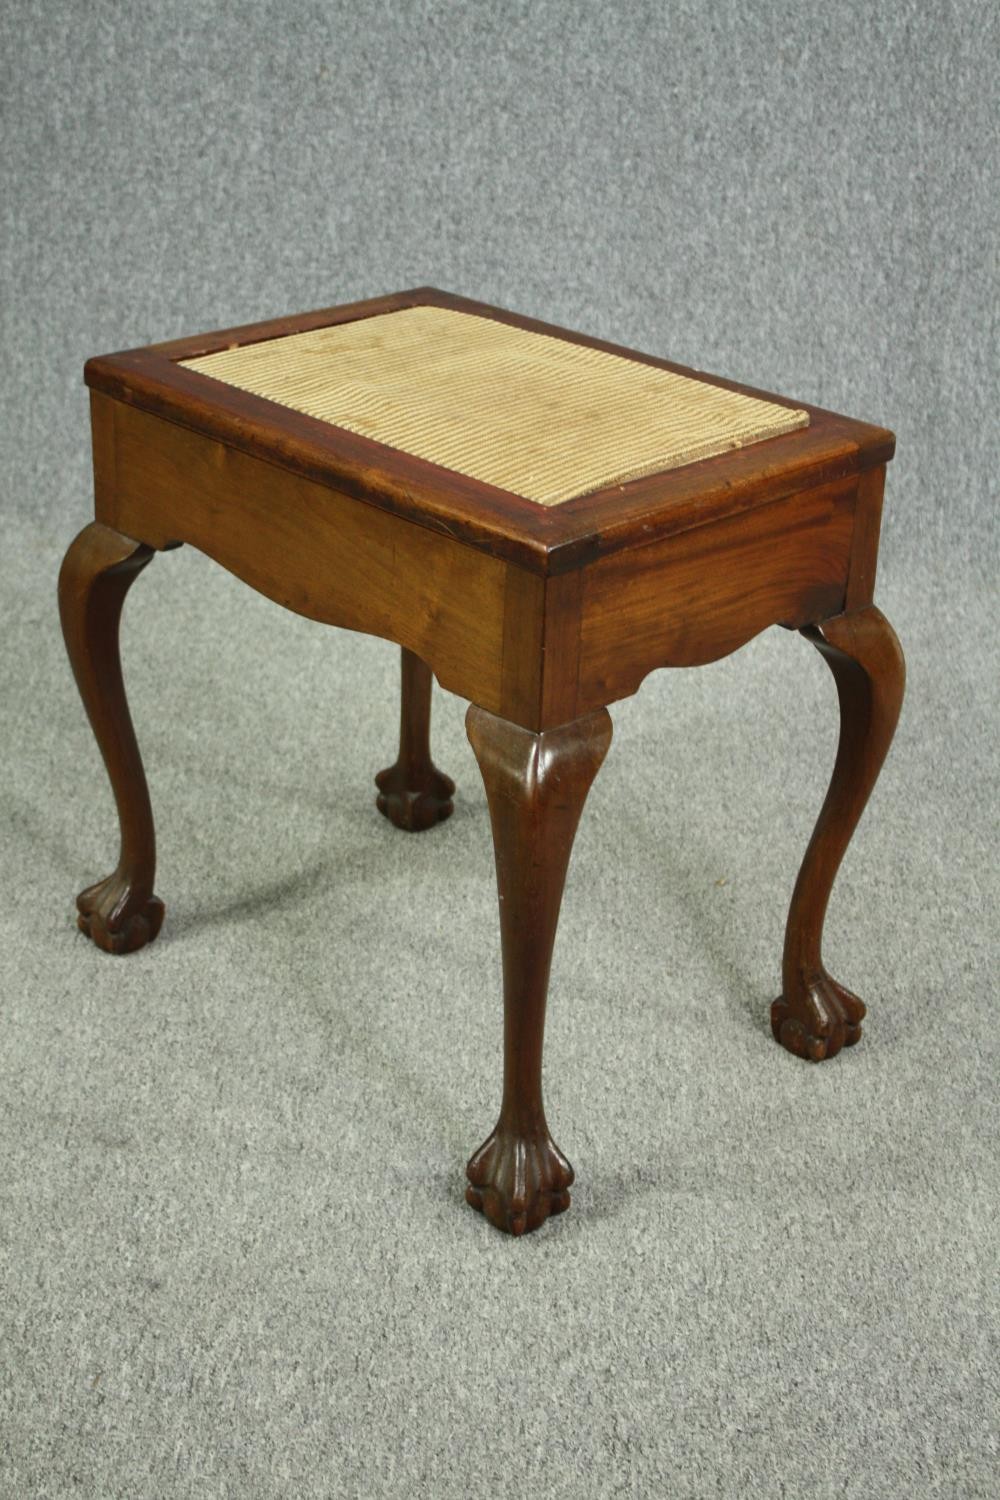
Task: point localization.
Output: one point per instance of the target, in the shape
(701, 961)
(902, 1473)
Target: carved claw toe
(115, 919)
(518, 1181)
(818, 1019)
(414, 803)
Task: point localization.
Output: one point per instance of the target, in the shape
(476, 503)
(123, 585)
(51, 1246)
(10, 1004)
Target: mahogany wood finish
(536, 785)
(120, 913)
(413, 794)
(541, 616)
(815, 1016)
(313, 549)
(544, 539)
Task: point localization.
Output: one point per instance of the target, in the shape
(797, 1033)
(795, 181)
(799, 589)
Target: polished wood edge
(725, 486)
(544, 553)
(547, 540)
(523, 633)
(504, 525)
(865, 543)
(103, 449)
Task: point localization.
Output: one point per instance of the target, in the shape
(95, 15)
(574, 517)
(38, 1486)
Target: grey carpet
(234, 1256)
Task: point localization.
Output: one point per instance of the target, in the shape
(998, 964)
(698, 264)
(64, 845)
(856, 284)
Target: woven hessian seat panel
(532, 414)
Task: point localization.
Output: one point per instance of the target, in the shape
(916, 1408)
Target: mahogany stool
(539, 519)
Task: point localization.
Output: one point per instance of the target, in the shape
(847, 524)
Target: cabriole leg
(815, 1016)
(120, 913)
(536, 785)
(413, 794)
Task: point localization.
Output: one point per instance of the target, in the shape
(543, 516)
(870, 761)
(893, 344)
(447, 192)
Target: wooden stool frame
(539, 616)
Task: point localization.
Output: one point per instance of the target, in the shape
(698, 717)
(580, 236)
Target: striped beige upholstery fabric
(532, 414)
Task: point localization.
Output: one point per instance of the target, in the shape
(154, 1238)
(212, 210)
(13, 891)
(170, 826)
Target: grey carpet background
(234, 1259)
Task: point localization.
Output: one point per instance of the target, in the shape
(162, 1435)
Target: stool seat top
(530, 413)
(520, 438)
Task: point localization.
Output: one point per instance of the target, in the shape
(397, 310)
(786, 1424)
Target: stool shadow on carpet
(185, 921)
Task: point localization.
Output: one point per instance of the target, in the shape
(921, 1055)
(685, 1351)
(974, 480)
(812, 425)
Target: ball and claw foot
(819, 1020)
(109, 916)
(518, 1181)
(414, 808)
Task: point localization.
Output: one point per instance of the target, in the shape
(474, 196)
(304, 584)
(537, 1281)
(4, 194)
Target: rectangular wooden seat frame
(540, 615)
